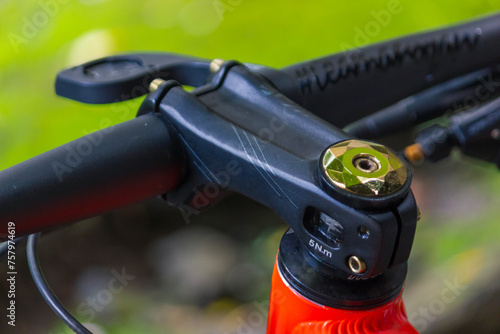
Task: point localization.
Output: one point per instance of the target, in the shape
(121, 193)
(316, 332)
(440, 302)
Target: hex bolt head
(356, 265)
(216, 64)
(363, 168)
(155, 84)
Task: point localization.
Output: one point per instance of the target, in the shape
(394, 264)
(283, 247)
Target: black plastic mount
(123, 77)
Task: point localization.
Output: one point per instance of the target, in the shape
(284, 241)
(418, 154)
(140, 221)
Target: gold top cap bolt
(363, 168)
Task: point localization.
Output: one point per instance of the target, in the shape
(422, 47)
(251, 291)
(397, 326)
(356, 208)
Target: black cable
(473, 132)
(47, 293)
(421, 107)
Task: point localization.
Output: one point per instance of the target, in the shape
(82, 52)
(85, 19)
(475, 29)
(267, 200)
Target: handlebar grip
(102, 171)
(347, 86)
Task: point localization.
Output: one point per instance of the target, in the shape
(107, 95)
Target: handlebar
(337, 87)
(102, 171)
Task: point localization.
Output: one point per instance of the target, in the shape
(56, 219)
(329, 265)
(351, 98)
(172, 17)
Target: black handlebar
(102, 171)
(347, 86)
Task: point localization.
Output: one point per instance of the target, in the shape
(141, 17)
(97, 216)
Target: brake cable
(46, 291)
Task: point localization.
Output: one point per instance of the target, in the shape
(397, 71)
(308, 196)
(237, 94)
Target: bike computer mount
(348, 202)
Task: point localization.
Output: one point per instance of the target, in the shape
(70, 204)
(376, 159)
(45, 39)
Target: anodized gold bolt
(356, 265)
(363, 168)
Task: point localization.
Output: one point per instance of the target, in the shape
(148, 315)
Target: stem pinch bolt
(356, 265)
(363, 168)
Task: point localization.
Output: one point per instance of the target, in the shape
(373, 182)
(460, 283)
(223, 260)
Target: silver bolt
(366, 163)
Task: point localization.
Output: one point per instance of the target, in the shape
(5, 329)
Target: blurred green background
(456, 239)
